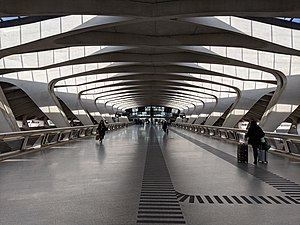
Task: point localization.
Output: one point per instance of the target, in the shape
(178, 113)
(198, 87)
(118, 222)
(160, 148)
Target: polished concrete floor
(139, 175)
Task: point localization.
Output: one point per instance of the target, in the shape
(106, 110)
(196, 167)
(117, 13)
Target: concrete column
(245, 103)
(222, 105)
(287, 103)
(7, 119)
(91, 108)
(205, 112)
(72, 101)
(40, 95)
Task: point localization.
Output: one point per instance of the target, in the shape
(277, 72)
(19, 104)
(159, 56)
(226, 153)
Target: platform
(139, 175)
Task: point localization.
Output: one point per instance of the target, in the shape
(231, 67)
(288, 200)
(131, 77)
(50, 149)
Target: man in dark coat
(101, 130)
(255, 133)
(165, 127)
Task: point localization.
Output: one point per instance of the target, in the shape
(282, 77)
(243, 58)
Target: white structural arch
(218, 62)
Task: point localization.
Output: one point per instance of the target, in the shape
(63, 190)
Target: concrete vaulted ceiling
(153, 47)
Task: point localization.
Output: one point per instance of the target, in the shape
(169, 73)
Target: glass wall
(153, 111)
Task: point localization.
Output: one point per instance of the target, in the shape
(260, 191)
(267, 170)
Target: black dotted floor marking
(158, 200)
(284, 185)
(234, 199)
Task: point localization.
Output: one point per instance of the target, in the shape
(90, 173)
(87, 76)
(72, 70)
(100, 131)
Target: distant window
(290, 19)
(296, 20)
(8, 18)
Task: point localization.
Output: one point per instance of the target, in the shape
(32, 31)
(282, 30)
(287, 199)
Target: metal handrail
(287, 143)
(43, 131)
(14, 142)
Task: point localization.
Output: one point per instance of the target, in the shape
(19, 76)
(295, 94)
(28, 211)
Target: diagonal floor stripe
(264, 175)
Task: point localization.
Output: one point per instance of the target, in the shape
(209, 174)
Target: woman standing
(255, 133)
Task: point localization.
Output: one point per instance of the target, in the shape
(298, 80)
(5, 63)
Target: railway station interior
(204, 68)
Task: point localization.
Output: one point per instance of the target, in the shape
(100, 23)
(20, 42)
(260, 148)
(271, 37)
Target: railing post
(286, 146)
(59, 136)
(43, 143)
(24, 144)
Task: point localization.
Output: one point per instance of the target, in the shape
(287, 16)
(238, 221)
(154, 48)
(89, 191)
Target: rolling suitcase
(242, 153)
(262, 156)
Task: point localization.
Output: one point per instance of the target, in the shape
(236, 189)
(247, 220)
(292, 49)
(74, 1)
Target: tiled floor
(139, 175)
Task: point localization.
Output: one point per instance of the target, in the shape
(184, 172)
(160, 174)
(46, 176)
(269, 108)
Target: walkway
(139, 175)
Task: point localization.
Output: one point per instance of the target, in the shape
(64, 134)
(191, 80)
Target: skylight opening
(290, 19)
(9, 18)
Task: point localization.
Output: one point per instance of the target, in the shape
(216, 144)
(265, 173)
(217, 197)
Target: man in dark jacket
(101, 130)
(165, 127)
(255, 133)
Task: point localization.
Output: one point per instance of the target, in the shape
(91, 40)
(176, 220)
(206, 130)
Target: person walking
(255, 133)
(165, 127)
(101, 130)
